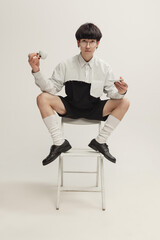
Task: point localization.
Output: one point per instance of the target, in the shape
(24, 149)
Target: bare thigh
(110, 105)
(47, 99)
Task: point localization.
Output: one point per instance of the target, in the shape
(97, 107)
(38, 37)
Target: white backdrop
(130, 43)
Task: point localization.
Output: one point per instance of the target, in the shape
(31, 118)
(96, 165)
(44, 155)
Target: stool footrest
(77, 172)
(84, 152)
(80, 189)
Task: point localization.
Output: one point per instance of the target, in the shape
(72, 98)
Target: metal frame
(83, 153)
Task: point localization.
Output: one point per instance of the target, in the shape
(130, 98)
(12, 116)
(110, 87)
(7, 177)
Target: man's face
(88, 46)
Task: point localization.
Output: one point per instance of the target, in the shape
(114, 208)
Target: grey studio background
(130, 43)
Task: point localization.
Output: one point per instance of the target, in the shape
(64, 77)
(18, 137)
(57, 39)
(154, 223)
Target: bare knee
(125, 103)
(43, 98)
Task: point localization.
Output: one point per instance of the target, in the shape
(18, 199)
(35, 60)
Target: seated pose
(85, 77)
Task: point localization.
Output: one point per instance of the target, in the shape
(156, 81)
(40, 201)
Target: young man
(85, 77)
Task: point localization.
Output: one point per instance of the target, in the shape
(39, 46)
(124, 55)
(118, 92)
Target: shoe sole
(93, 147)
(57, 154)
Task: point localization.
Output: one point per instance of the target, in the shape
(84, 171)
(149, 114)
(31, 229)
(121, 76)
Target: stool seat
(80, 121)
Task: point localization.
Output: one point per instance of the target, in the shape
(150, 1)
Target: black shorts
(94, 113)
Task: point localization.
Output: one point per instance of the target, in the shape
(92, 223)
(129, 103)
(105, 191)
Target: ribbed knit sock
(52, 124)
(110, 124)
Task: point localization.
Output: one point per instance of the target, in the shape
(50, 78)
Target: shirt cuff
(40, 80)
(36, 74)
(124, 93)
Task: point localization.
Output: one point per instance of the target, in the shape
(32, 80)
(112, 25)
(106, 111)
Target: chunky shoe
(55, 151)
(102, 148)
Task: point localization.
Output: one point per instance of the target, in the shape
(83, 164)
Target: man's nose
(88, 44)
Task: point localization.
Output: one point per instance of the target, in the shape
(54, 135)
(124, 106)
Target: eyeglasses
(92, 43)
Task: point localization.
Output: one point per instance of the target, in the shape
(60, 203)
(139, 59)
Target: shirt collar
(83, 62)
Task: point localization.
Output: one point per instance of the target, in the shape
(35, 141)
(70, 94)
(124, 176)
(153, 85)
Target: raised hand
(122, 86)
(33, 59)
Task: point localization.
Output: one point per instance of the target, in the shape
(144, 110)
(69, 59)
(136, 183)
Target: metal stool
(83, 153)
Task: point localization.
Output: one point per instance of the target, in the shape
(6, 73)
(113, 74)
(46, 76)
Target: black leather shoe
(55, 151)
(102, 148)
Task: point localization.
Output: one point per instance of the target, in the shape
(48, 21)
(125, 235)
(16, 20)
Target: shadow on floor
(27, 197)
(40, 198)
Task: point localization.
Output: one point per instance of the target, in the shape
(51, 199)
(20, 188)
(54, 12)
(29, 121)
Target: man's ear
(98, 43)
(77, 43)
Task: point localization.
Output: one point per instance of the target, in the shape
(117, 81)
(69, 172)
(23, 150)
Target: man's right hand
(34, 61)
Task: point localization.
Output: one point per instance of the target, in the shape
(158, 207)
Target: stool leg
(102, 185)
(62, 129)
(59, 182)
(62, 173)
(97, 174)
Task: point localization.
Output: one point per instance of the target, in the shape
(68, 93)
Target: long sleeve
(53, 84)
(109, 87)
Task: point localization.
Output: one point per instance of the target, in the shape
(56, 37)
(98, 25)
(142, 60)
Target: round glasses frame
(84, 43)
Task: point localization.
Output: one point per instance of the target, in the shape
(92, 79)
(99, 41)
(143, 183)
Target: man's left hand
(122, 87)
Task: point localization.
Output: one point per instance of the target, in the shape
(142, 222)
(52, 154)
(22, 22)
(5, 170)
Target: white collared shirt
(95, 72)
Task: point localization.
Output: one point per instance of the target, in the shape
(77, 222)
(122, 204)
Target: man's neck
(87, 58)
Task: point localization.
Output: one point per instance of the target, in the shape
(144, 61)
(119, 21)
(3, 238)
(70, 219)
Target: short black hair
(88, 31)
